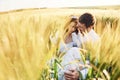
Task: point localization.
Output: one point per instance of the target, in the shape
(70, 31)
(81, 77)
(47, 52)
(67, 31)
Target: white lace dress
(72, 57)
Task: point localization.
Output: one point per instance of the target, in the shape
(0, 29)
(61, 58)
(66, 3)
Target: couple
(77, 33)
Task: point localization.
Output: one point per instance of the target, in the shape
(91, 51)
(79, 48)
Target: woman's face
(72, 27)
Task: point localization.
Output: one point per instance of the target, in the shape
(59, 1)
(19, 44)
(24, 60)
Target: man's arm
(72, 75)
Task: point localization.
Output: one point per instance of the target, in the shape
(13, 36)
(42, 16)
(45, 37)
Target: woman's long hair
(67, 26)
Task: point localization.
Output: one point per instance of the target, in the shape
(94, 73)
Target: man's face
(81, 27)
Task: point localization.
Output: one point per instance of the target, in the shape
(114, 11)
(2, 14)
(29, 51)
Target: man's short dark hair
(87, 19)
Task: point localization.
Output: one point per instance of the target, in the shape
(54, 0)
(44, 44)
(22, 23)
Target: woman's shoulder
(74, 34)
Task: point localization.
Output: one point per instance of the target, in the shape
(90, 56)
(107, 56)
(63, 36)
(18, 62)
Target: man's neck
(89, 29)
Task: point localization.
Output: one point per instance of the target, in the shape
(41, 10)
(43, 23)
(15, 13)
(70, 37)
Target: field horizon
(112, 7)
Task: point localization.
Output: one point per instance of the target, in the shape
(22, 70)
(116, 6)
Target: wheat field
(25, 44)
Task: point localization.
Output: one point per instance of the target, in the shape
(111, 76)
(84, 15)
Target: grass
(25, 44)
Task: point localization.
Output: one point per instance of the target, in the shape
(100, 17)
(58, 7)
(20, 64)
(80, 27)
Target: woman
(70, 35)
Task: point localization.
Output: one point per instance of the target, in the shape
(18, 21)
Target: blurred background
(6, 5)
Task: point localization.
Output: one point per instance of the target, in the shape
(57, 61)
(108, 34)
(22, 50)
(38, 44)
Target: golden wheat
(25, 44)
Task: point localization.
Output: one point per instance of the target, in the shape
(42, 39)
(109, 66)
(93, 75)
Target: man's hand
(71, 75)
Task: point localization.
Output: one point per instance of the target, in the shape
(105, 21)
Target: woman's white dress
(72, 57)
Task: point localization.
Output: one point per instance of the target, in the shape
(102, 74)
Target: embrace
(77, 33)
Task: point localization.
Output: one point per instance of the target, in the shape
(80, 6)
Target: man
(86, 33)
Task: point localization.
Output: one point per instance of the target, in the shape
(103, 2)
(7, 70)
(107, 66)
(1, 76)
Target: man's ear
(91, 27)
